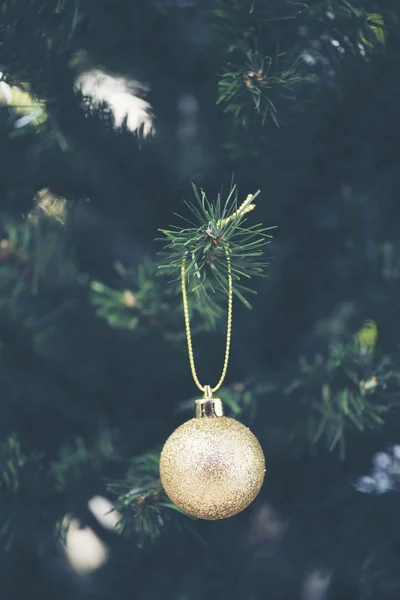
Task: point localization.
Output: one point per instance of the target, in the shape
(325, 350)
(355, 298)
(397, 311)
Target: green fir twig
(141, 501)
(214, 228)
(346, 391)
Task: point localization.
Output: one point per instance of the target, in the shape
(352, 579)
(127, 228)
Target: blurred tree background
(109, 110)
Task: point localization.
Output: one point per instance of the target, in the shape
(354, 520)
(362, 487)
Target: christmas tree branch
(270, 50)
(141, 501)
(215, 228)
(148, 300)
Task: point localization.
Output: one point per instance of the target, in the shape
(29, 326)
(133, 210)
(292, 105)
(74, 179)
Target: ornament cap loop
(209, 407)
(207, 392)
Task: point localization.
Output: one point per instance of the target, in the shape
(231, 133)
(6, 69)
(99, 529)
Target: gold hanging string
(243, 209)
(206, 388)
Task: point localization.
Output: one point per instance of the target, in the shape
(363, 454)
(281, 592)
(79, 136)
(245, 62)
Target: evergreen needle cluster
(215, 228)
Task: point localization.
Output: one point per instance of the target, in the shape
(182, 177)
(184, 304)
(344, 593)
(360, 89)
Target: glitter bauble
(212, 467)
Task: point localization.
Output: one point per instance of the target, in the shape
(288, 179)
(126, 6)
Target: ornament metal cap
(208, 406)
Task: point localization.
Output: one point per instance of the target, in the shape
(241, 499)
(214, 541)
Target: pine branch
(141, 500)
(217, 227)
(348, 390)
(147, 300)
(271, 50)
(247, 92)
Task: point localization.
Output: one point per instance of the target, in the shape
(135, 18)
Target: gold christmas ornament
(211, 467)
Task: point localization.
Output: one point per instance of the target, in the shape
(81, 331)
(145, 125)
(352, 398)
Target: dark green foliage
(141, 500)
(46, 29)
(254, 83)
(278, 53)
(94, 372)
(152, 300)
(351, 388)
(35, 492)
